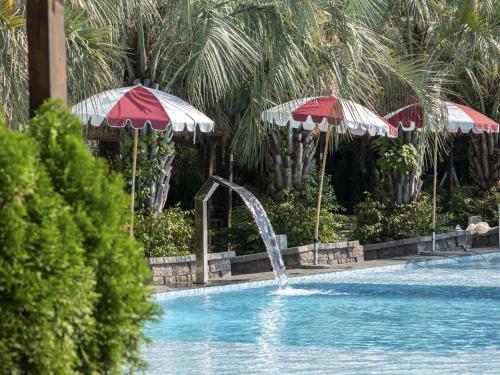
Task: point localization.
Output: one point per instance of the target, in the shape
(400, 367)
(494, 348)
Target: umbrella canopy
(460, 118)
(324, 111)
(139, 106)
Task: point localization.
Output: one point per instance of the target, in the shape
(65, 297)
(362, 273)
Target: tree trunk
(404, 188)
(484, 159)
(291, 164)
(159, 186)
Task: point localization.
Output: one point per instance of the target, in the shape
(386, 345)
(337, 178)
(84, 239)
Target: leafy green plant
(377, 221)
(99, 208)
(154, 154)
(308, 193)
(298, 223)
(394, 156)
(369, 217)
(170, 233)
(46, 288)
(295, 217)
(466, 202)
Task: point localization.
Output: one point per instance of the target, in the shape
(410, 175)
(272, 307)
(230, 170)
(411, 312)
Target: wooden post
(46, 51)
(228, 202)
(219, 170)
(320, 193)
(434, 194)
(208, 158)
(449, 175)
(134, 171)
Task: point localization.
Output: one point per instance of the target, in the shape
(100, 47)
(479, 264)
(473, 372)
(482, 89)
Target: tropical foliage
(294, 216)
(466, 203)
(235, 59)
(167, 234)
(380, 221)
(72, 281)
(46, 286)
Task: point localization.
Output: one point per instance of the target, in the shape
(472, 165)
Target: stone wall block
(158, 280)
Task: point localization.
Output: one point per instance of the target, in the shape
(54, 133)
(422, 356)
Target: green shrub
(308, 193)
(46, 292)
(100, 211)
(295, 217)
(167, 234)
(369, 221)
(466, 202)
(386, 221)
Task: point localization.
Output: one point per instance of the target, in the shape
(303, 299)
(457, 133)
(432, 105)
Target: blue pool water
(443, 318)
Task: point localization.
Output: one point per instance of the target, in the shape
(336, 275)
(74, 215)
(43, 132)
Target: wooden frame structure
(46, 51)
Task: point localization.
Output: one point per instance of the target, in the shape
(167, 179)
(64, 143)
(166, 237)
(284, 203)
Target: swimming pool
(443, 318)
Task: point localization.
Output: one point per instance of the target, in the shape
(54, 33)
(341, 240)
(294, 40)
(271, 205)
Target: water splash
(267, 234)
(293, 292)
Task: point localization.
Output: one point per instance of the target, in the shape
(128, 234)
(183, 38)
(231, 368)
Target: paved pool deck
(337, 268)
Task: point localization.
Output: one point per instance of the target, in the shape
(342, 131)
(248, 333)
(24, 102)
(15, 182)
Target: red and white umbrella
(325, 111)
(460, 119)
(139, 106)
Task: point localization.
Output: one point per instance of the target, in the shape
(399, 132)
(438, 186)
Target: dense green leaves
(100, 208)
(290, 218)
(396, 157)
(295, 216)
(466, 202)
(377, 221)
(72, 281)
(46, 288)
(170, 233)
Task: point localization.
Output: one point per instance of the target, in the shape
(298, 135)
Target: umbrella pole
(132, 194)
(320, 193)
(434, 195)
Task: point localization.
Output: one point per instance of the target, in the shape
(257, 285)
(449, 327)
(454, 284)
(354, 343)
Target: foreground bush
(46, 290)
(72, 281)
(377, 221)
(168, 234)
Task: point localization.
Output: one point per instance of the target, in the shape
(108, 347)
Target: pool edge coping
(336, 274)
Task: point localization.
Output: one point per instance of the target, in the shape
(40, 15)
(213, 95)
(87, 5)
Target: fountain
(259, 215)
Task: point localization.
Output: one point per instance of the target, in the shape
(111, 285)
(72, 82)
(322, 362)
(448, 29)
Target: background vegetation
(169, 234)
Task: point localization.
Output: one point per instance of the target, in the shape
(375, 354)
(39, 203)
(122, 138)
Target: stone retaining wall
(295, 257)
(488, 239)
(452, 241)
(181, 269)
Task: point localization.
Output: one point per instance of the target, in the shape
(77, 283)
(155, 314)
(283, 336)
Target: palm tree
(13, 64)
(195, 49)
(236, 59)
(277, 45)
(461, 40)
(474, 31)
(93, 60)
(413, 27)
